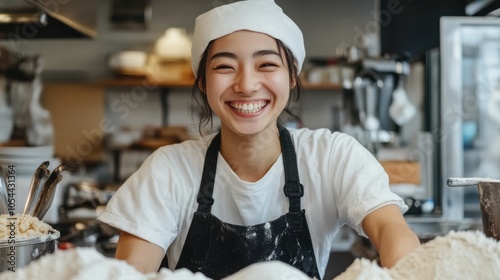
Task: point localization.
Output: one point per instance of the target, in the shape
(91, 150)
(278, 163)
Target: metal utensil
(35, 190)
(47, 193)
(4, 209)
(464, 182)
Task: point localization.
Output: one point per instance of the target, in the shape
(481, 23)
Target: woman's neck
(250, 157)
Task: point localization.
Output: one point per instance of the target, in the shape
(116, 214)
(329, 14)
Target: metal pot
(489, 202)
(14, 256)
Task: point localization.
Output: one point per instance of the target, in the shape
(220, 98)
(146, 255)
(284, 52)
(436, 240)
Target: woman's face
(247, 81)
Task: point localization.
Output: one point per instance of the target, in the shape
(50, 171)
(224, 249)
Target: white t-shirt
(342, 182)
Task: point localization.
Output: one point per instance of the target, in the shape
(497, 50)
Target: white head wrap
(262, 16)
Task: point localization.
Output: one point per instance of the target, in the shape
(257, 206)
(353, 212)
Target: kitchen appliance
(368, 98)
(469, 93)
(85, 200)
(21, 85)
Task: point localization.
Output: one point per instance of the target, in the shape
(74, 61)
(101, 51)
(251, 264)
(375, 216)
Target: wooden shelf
(145, 81)
(188, 83)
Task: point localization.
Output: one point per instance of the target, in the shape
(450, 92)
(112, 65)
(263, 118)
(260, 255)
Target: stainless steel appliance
(469, 127)
(368, 99)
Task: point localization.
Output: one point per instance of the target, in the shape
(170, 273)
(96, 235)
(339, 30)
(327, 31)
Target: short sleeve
(140, 207)
(362, 185)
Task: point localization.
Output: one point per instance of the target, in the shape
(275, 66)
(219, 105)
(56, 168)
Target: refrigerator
(468, 133)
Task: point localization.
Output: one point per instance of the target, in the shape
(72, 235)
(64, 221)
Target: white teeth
(248, 108)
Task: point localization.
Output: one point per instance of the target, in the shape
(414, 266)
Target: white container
(174, 45)
(128, 60)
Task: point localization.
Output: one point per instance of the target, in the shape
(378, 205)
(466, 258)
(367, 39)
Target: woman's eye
(222, 67)
(268, 65)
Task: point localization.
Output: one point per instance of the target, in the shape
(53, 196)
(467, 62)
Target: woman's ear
(293, 82)
(200, 87)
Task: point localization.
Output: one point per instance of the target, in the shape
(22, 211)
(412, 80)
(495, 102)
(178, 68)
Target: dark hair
(199, 88)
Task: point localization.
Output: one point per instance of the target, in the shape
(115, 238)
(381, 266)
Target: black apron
(219, 249)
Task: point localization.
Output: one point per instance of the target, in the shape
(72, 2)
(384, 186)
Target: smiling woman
(255, 191)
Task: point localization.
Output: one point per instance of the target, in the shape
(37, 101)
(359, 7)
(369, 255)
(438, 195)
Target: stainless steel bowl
(14, 256)
(489, 202)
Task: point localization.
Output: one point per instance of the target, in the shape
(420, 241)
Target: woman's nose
(247, 82)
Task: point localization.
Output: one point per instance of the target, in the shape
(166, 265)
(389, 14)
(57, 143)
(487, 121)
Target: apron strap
(293, 188)
(204, 199)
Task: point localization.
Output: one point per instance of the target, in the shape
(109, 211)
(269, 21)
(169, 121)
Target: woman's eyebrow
(265, 52)
(223, 54)
(255, 54)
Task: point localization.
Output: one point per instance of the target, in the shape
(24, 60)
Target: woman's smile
(248, 107)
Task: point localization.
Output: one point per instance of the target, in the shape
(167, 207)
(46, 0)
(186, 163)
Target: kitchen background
(103, 118)
(75, 66)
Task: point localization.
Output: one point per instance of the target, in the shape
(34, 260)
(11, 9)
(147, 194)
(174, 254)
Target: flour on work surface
(75, 264)
(89, 264)
(458, 255)
(364, 269)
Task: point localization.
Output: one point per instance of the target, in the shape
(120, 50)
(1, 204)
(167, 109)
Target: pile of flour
(364, 269)
(89, 264)
(458, 255)
(22, 226)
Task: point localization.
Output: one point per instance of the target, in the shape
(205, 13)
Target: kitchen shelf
(188, 83)
(145, 81)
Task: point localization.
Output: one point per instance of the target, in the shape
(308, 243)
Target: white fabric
(262, 16)
(343, 183)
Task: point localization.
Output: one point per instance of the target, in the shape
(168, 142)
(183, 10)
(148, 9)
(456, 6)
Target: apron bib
(218, 249)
